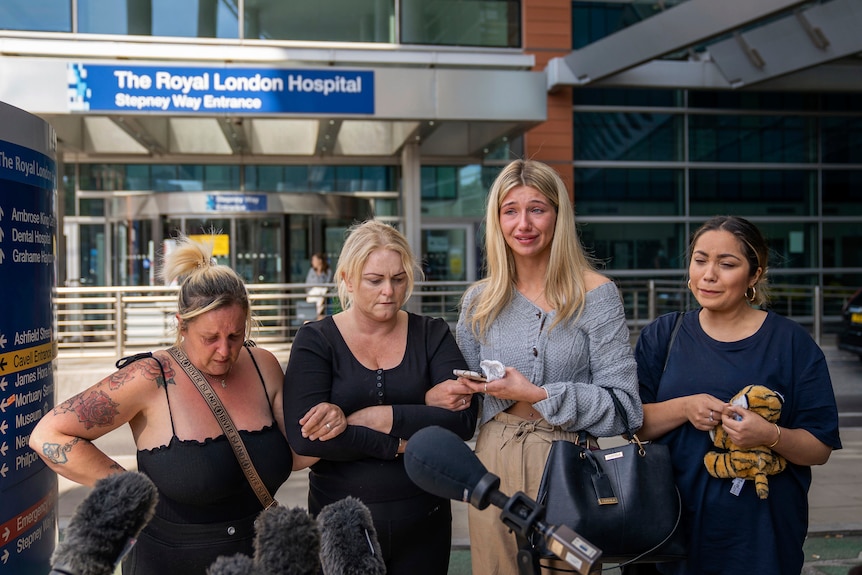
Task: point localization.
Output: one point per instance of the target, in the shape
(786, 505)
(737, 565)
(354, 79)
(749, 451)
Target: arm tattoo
(56, 453)
(94, 409)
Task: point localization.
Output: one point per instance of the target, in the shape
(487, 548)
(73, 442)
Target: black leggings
(415, 534)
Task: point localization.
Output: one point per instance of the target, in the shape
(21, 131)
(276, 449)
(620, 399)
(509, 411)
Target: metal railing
(109, 321)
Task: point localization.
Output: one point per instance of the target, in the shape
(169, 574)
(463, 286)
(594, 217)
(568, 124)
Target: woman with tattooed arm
(206, 506)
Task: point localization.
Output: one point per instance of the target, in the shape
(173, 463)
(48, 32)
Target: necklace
(221, 379)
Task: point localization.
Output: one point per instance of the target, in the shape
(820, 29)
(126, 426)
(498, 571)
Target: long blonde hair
(565, 285)
(204, 284)
(364, 239)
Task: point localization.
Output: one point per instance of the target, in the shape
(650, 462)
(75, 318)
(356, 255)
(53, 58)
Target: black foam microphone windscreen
(105, 524)
(238, 564)
(441, 463)
(287, 542)
(348, 540)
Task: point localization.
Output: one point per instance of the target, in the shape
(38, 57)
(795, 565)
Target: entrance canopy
(782, 45)
(162, 100)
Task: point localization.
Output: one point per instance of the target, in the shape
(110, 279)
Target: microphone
(237, 564)
(441, 463)
(287, 542)
(105, 525)
(348, 540)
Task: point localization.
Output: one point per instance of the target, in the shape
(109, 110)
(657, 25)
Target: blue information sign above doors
(198, 90)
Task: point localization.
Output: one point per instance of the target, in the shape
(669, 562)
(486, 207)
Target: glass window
(505, 149)
(733, 138)
(322, 20)
(321, 178)
(493, 23)
(377, 179)
(842, 244)
(753, 192)
(94, 207)
(626, 246)
(42, 16)
(138, 177)
(296, 179)
(187, 18)
(593, 21)
(841, 102)
(622, 97)
(842, 192)
(385, 207)
(259, 250)
(102, 177)
(842, 140)
(92, 254)
(641, 192)
(348, 178)
(276, 178)
(68, 184)
(791, 244)
(754, 100)
(317, 178)
(453, 191)
(221, 177)
(628, 137)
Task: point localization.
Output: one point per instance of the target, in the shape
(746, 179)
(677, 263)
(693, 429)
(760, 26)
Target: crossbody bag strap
(676, 324)
(227, 426)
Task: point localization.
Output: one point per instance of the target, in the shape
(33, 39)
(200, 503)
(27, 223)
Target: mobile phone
(475, 376)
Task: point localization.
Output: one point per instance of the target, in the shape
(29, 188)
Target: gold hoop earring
(753, 295)
(688, 283)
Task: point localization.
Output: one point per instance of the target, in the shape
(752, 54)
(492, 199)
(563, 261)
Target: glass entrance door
(259, 248)
(134, 253)
(448, 253)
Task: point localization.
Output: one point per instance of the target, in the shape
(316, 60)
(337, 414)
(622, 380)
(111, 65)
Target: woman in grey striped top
(558, 326)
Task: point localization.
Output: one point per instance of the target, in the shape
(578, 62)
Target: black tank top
(202, 482)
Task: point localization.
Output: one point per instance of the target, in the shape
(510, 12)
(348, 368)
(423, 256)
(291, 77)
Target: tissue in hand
(492, 369)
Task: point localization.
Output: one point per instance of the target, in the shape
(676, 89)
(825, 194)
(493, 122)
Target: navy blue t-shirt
(739, 533)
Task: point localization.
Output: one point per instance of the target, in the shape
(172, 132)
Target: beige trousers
(515, 450)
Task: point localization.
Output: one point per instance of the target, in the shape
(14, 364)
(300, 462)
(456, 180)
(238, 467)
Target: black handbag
(623, 500)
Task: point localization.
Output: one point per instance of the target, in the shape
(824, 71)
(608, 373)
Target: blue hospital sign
(28, 240)
(100, 88)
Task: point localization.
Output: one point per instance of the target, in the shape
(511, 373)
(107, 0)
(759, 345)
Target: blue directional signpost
(28, 248)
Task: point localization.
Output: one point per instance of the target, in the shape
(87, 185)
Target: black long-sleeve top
(360, 461)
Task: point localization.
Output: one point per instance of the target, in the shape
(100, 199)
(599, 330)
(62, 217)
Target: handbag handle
(227, 426)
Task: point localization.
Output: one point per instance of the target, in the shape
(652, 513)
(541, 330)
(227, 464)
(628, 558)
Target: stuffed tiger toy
(755, 463)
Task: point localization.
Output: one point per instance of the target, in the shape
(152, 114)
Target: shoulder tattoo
(147, 370)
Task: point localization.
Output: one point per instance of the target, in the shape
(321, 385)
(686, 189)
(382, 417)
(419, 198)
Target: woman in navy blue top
(719, 349)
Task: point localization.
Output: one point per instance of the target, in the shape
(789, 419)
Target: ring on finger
(486, 388)
(463, 401)
(329, 427)
(710, 415)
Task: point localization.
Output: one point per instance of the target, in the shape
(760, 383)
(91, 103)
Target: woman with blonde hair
(390, 371)
(206, 505)
(558, 327)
